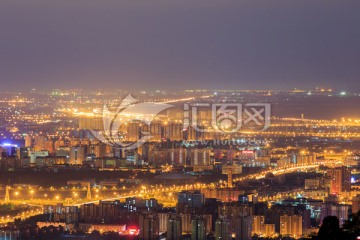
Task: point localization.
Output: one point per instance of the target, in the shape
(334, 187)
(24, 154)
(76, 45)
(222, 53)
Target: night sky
(179, 44)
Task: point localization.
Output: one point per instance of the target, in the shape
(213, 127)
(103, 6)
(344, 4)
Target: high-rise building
(174, 228)
(269, 230)
(163, 221)
(193, 199)
(222, 229)
(104, 212)
(258, 225)
(198, 228)
(100, 150)
(340, 180)
(208, 222)
(77, 155)
(243, 228)
(341, 211)
(173, 131)
(149, 228)
(22, 152)
(178, 156)
(133, 131)
(186, 222)
(156, 131)
(356, 204)
(200, 157)
(291, 226)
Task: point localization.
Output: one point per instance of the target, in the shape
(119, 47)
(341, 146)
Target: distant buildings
(243, 228)
(174, 228)
(352, 160)
(291, 226)
(149, 226)
(191, 199)
(223, 194)
(356, 204)
(318, 183)
(306, 159)
(340, 180)
(258, 225)
(341, 211)
(222, 229)
(198, 228)
(198, 216)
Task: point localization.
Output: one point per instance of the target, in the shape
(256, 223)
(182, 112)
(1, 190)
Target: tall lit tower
(7, 195)
(229, 170)
(88, 194)
(229, 175)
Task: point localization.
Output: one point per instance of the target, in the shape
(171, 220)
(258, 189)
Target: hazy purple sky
(179, 44)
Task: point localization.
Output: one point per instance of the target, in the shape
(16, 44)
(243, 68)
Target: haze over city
(175, 45)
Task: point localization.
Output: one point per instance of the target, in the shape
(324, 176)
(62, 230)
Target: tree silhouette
(352, 225)
(330, 230)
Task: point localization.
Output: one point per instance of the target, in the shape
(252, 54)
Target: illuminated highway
(164, 194)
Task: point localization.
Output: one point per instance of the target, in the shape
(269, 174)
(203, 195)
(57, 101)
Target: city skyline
(180, 119)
